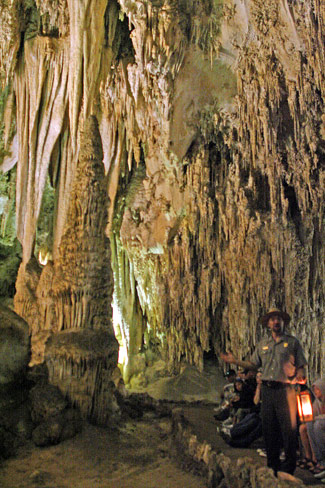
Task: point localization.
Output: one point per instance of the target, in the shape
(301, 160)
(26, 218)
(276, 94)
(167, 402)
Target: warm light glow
(118, 330)
(305, 408)
(43, 258)
(122, 355)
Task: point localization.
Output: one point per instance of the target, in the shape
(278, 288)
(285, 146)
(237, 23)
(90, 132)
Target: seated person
(228, 392)
(243, 433)
(250, 380)
(316, 429)
(243, 403)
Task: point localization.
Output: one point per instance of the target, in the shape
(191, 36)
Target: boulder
(14, 346)
(8, 444)
(18, 422)
(57, 428)
(45, 401)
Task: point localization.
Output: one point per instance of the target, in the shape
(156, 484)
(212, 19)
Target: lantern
(305, 408)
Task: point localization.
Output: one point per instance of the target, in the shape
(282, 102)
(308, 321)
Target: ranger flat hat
(286, 317)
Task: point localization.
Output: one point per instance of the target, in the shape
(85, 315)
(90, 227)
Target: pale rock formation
(80, 363)
(25, 300)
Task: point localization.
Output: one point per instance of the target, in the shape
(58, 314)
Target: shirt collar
(270, 339)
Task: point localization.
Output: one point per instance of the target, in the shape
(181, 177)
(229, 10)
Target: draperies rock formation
(211, 116)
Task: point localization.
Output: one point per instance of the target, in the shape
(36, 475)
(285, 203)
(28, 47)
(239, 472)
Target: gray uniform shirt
(279, 360)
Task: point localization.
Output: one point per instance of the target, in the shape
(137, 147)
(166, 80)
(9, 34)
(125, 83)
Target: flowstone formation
(211, 116)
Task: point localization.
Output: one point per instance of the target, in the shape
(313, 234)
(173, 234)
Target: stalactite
(39, 122)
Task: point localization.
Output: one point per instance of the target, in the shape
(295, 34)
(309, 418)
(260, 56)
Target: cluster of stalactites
(137, 96)
(253, 236)
(55, 17)
(9, 39)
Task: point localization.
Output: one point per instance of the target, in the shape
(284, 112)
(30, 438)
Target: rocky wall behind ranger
(221, 104)
(247, 234)
(244, 196)
(254, 231)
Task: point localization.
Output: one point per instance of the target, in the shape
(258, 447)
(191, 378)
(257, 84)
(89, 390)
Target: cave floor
(137, 454)
(133, 456)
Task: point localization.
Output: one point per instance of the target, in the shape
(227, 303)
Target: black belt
(276, 385)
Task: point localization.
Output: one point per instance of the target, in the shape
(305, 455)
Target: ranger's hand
(228, 357)
(300, 377)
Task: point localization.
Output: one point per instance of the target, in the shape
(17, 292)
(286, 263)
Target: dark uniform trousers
(279, 424)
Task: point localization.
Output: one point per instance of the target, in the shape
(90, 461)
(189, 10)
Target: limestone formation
(211, 117)
(25, 301)
(82, 353)
(80, 363)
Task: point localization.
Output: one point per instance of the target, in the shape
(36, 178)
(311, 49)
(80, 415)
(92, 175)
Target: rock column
(82, 354)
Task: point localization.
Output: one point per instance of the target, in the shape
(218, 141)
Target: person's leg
(222, 413)
(241, 413)
(270, 427)
(244, 426)
(286, 411)
(254, 434)
(316, 435)
(308, 452)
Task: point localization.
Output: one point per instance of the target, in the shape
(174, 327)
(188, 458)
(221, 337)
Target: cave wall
(211, 117)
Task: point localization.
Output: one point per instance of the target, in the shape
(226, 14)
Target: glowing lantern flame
(305, 408)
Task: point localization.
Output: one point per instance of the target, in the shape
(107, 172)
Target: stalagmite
(82, 352)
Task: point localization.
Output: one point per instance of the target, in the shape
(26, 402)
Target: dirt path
(135, 456)
(204, 426)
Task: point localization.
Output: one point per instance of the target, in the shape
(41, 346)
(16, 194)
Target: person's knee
(302, 429)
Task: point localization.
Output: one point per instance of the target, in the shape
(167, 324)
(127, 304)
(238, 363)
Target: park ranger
(282, 361)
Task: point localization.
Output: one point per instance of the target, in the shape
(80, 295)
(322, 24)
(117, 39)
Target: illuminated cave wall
(211, 117)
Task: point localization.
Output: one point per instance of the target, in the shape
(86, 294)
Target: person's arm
(300, 363)
(257, 396)
(228, 357)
